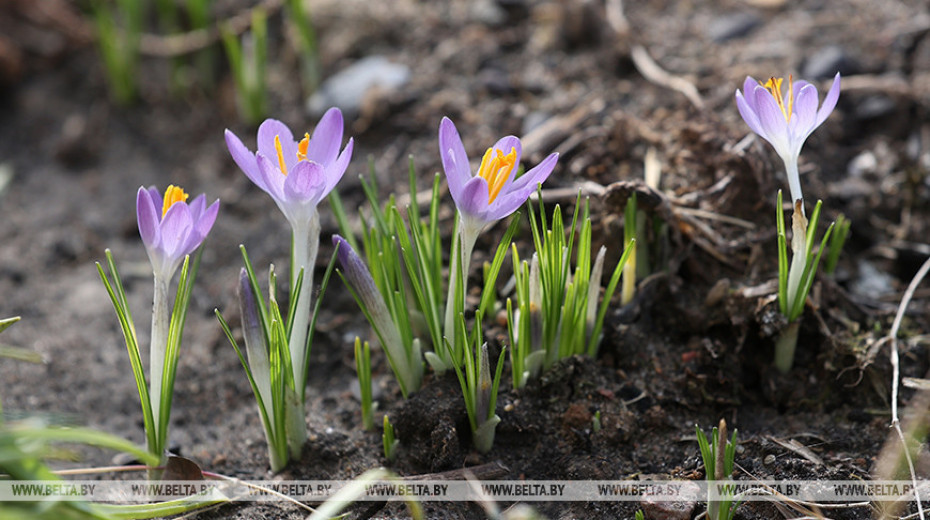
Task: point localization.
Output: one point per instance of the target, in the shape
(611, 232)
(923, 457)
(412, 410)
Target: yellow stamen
(773, 85)
(302, 148)
(277, 146)
(496, 169)
(172, 195)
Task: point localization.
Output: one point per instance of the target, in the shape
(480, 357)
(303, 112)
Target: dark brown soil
(694, 346)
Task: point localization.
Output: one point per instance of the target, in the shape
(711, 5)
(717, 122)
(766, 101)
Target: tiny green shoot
(718, 455)
(388, 441)
(363, 369)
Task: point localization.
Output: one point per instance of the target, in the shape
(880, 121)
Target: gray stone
(824, 63)
(660, 509)
(347, 88)
(733, 25)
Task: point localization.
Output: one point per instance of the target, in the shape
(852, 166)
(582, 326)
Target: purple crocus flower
(297, 175)
(492, 193)
(170, 228)
(785, 121)
(489, 195)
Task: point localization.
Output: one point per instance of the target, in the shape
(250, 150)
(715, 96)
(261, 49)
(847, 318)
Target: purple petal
(771, 120)
(272, 178)
(473, 199)
(748, 113)
(175, 228)
(202, 226)
(507, 204)
(156, 199)
(829, 102)
(147, 218)
(243, 158)
(749, 86)
(537, 175)
(327, 136)
(305, 183)
(454, 159)
(805, 111)
(197, 206)
(266, 146)
(337, 169)
(507, 143)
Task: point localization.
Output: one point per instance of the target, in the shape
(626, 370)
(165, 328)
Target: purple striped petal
(771, 119)
(272, 177)
(749, 86)
(147, 218)
(244, 159)
(507, 143)
(326, 138)
(473, 197)
(748, 113)
(506, 204)
(197, 206)
(157, 200)
(305, 184)
(829, 102)
(175, 228)
(805, 111)
(537, 175)
(454, 159)
(337, 169)
(270, 129)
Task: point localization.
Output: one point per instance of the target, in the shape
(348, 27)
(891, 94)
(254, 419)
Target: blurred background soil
(600, 81)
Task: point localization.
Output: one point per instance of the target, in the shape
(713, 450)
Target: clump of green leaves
(795, 280)
(837, 241)
(280, 390)
(557, 313)
(248, 58)
(479, 388)
(119, 30)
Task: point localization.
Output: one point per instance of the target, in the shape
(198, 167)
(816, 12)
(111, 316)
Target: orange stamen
(277, 146)
(773, 85)
(172, 195)
(496, 169)
(302, 148)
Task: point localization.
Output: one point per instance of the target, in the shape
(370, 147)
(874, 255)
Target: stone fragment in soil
(733, 25)
(347, 89)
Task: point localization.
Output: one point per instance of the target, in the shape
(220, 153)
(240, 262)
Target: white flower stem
(305, 245)
(467, 236)
(785, 345)
(794, 182)
(157, 350)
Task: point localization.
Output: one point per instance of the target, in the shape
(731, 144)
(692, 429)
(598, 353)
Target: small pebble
(769, 460)
(665, 510)
(824, 63)
(733, 25)
(347, 88)
(862, 164)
